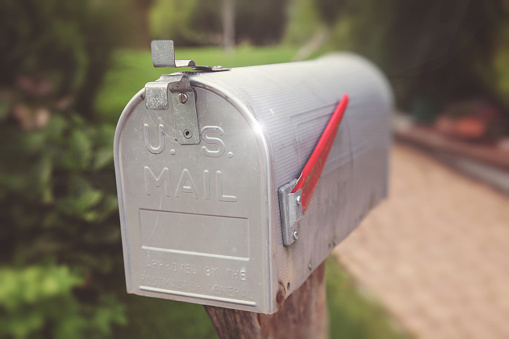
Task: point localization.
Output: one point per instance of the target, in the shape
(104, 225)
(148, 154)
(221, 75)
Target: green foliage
(36, 301)
(260, 24)
(435, 52)
(303, 22)
(330, 10)
(59, 240)
(56, 51)
(199, 22)
(352, 313)
(159, 318)
(27, 307)
(59, 208)
(172, 19)
(501, 62)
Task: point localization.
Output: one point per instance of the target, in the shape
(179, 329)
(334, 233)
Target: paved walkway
(436, 253)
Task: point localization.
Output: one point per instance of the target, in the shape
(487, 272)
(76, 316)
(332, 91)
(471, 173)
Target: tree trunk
(228, 14)
(303, 315)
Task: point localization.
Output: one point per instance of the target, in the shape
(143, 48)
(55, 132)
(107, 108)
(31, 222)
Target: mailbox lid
(195, 218)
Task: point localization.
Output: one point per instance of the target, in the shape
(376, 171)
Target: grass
(352, 313)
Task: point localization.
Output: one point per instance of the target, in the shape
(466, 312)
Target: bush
(61, 262)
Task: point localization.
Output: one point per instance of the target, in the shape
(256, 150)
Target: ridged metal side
(292, 103)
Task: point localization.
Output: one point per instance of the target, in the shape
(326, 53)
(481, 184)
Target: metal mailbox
(206, 161)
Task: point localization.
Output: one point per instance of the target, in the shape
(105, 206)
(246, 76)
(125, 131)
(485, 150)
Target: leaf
(79, 152)
(80, 205)
(4, 109)
(103, 157)
(31, 284)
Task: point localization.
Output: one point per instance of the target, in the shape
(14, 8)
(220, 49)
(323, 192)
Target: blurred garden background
(68, 68)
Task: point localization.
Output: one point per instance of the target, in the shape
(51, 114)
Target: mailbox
(216, 206)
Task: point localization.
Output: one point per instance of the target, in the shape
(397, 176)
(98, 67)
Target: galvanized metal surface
(201, 223)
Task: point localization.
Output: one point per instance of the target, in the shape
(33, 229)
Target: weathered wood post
(302, 315)
(235, 185)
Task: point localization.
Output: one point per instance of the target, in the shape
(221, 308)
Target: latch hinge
(175, 89)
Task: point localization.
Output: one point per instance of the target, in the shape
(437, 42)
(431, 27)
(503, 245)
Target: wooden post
(302, 315)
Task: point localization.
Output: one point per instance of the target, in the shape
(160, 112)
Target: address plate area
(194, 217)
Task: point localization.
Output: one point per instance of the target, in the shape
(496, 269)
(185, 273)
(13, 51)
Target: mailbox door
(195, 218)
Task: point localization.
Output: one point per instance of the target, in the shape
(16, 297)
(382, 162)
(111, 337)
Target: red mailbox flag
(312, 171)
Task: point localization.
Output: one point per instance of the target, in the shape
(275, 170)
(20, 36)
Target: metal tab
(178, 87)
(156, 95)
(290, 206)
(163, 55)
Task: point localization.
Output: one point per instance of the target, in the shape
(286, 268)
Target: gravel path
(436, 253)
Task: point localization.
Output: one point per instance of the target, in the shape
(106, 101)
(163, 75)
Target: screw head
(182, 98)
(298, 200)
(310, 266)
(295, 235)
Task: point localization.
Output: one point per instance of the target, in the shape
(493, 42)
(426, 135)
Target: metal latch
(295, 196)
(177, 87)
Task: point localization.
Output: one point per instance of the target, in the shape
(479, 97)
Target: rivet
(188, 134)
(280, 297)
(310, 266)
(295, 235)
(298, 200)
(182, 98)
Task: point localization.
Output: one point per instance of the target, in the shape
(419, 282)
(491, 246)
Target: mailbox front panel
(194, 217)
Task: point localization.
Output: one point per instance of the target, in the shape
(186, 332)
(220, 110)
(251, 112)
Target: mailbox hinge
(175, 88)
(290, 205)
